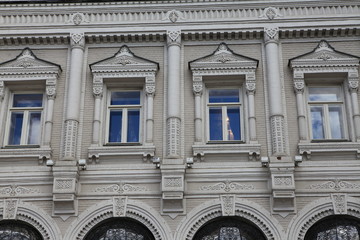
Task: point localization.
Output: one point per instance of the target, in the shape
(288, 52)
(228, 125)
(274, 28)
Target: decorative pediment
(27, 63)
(223, 58)
(324, 55)
(124, 61)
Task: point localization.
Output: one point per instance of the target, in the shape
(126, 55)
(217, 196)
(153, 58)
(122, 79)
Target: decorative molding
(77, 40)
(10, 208)
(70, 142)
(307, 149)
(174, 16)
(136, 210)
(173, 38)
(78, 18)
(271, 35)
(277, 134)
(15, 190)
(270, 13)
(173, 134)
(228, 205)
(339, 203)
(336, 184)
(121, 188)
(119, 206)
(227, 186)
(173, 182)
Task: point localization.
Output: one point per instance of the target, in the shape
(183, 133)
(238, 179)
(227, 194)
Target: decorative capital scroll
(339, 203)
(271, 35)
(10, 208)
(77, 40)
(173, 38)
(228, 205)
(119, 206)
(197, 85)
(150, 85)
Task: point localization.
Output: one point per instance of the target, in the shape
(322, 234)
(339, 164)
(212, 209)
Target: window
(224, 112)
(18, 230)
(24, 120)
(124, 117)
(325, 106)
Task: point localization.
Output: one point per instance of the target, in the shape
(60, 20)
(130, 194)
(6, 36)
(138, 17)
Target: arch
(315, 211)
(245, 209)
(37, 218)
(136, 210)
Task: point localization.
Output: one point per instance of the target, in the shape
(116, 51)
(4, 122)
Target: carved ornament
(173, 37)
(77, 40)
(78, 18)
(121, 188)
(336, 184)
(119, 206)
(15, 190)
(271, 34)
(228, 205)
(227, 186)
(10, 208)
(339, 203)
(270, 13)
(174, 16)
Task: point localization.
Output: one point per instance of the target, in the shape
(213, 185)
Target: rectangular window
(326, 112)
(25, 119)
(124, 117)
(224, 113)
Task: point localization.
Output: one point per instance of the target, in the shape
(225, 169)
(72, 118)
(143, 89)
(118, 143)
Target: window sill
(251, 150)
(26, 151)
(144, 151)
(333, 147)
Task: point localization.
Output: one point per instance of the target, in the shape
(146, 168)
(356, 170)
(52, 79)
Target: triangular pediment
(124, 61)
(28, 63)
(223, 58)
(324, 55)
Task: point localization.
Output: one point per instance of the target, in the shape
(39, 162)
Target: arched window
(334, 228)
(229, 228)
(18, 230)
(119, 228)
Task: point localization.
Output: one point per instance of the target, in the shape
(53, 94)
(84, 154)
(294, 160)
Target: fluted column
(299, 85)
(173, 94)
(73, 97)
(150, 93)
(98, 95)
(271, 36)
(50, 94)
(353, 82)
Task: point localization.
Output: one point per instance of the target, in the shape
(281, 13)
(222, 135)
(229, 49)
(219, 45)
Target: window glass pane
(324, 94)
(317, 122)
(133, 125)
(215, 130)
(16, 122)
(115, 126)
(34, 128)
(27, 100)
(336, 123)
(125, 98)
(223, 95)
(233, 123)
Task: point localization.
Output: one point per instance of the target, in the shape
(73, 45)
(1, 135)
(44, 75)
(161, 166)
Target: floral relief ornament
(78, 18)
(174, 16)
(270, 13)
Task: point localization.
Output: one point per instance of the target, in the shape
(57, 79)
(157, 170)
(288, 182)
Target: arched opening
(119, 228)
(334, 228)
(229, 228)
(18, 230)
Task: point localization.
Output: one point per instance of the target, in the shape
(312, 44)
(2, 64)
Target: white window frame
(124, 123)
(25, 125)
(325, 105)
(223, 108)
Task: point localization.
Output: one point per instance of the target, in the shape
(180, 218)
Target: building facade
(180, 120)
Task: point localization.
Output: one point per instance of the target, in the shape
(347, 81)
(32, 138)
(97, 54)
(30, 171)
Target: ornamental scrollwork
(121, 188)
(336, 185)
(227, 186)
(15, 190)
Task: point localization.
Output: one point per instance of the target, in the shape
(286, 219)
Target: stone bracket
(65, 203)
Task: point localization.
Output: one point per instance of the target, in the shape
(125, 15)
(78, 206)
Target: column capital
(173, 37)
(197, 85)
(299, 85)
(51, 88)
(77, 40)
(250, 83)
(353, 84)
(97, 86)
(271, 35)
(2, 90)
(150, 85)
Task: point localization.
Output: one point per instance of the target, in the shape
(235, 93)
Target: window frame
(26, 111)
(326, 118)
(225, 106)
(124, 134)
